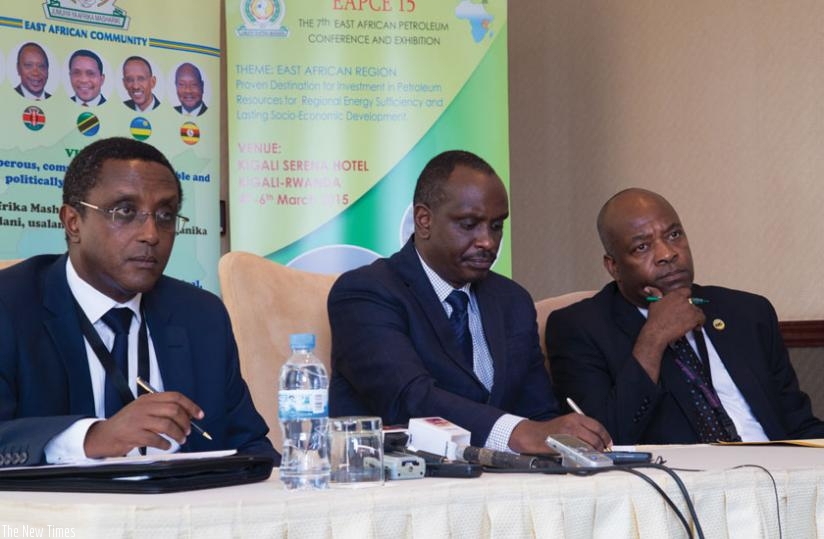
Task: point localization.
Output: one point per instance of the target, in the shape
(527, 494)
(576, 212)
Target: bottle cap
(302, 341)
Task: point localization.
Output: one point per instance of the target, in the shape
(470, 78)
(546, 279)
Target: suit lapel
(171, 343)
(407, 264)
(63, 328)
(630, 320)
(734, 348)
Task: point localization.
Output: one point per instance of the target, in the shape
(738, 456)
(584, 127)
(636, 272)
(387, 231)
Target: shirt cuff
(498, 439)
(68, 445)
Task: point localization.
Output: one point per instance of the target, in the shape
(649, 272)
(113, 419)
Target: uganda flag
(140, 128)
(88, 124)
(190, 133)
(33, 118)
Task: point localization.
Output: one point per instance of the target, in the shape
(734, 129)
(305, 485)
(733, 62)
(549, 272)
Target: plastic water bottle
(303, 410)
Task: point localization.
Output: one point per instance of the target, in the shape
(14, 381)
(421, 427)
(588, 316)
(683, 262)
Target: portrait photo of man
(87, 78)
(139, 82)
(33, 69)
(189, 87)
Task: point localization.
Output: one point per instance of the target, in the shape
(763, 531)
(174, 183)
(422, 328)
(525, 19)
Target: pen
(694, 301)
(575, 407)
(149, 389)
(577, 410)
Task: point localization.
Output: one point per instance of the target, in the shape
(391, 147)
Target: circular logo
(140, 128)
(718, 324)
(33, 118)
(190, 133)
(88, 124)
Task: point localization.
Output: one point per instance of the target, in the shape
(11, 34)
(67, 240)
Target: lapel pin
(719, 324)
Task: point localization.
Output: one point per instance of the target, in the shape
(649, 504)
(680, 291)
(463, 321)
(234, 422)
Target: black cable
(586, 472)
(775, 492)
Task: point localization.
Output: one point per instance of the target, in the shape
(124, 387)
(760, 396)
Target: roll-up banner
(335, 106)
(75, 71)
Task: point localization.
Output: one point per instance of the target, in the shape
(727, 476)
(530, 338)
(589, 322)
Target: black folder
(143, 478)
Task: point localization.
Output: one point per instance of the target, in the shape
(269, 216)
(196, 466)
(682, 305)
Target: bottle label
(303, 404)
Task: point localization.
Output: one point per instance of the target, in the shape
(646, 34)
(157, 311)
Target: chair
(267, 302)
(547, 305)
(9, 262)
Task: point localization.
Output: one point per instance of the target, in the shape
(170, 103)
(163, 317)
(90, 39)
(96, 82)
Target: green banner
(334, 108)
(74, 71)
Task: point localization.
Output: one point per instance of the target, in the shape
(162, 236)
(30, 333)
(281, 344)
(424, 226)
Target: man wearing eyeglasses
(78, 329)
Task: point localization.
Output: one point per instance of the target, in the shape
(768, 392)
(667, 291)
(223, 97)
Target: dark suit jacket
(179, 108)
(45, 384)
(590, 352)
(131, 104)
(394, 354)
(19, 90)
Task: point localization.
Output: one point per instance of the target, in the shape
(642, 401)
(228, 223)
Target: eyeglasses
(124, 216)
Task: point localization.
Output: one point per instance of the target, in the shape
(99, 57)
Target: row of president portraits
(86, 77)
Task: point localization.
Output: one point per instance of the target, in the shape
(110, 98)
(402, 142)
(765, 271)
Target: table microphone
(500, 459)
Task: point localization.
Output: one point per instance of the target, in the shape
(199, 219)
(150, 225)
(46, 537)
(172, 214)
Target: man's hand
(670, 318)
(530, 436)
(140, 424)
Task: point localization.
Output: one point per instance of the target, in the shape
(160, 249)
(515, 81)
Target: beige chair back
(10, 262)
(547, 305)
(267, 302)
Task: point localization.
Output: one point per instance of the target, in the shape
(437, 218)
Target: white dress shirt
(498, 438)
(68, 445)
(748, 427)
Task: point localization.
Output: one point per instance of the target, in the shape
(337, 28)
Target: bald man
(659, 359)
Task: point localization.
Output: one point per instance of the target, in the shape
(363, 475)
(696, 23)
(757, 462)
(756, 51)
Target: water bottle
(303, 410)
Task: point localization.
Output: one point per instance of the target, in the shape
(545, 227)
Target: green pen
(694, 301)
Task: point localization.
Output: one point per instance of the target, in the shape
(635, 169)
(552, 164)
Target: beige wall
(716, 104)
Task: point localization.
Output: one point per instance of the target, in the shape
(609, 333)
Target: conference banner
(335, 106)
(75, 71)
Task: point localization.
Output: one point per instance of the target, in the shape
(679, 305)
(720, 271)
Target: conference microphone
(500, 459)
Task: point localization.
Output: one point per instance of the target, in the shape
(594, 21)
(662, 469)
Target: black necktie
(119, 320)
(714, 424)
(459, 320)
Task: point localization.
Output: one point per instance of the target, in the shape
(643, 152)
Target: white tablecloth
(729, 503)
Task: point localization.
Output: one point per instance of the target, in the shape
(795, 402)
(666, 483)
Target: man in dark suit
(33, 69)
(431, 331)
(189, 86)
(659, 359)
(139, 82)
(59, 395)
(87, 78)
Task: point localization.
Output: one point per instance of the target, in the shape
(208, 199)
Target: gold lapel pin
(719, 324)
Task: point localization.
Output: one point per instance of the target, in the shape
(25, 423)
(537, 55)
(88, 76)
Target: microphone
(500, 459)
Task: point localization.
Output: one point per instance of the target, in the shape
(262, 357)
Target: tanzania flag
(88, 124)
(190, 133)
(33, 118)
(140, 128)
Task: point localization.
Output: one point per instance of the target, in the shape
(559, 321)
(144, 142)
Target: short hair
(88, 54)
(194, 68)
(36, 46)
(84, 170)
(137, 59)
(429, 189)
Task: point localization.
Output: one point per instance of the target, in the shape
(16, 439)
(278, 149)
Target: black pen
(149, 389)
(694, 301)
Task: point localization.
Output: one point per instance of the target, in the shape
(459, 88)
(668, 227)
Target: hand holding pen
(149, 389)
(149, 421)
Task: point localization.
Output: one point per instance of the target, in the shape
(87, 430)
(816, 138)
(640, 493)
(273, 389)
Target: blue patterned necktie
(119, 321)
(459, 320)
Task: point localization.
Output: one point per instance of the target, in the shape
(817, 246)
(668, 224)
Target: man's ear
(423, 221)
(71, 218)
(611, 266)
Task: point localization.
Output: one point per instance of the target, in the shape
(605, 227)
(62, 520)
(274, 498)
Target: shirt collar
(442, 288)
(28, 95)
(93, 302)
